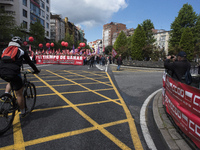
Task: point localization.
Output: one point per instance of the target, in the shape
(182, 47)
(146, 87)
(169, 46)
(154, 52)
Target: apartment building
(162, 39)
(128, 32)
(57, 28)
(29, 11)
(109, 29)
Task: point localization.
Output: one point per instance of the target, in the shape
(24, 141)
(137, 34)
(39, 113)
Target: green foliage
(187, 43)
(138, 42)
(70, 40)
(38, 33)
(186, 18)
(7, 24)
(120, 43)
(147, 50)
(196, 32)
(148, 26)
(108, 49)
(155, 55)
(20, 31)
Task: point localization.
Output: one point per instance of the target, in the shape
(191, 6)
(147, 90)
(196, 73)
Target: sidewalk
(173, 139)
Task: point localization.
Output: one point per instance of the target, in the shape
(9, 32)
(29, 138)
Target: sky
(91, 15)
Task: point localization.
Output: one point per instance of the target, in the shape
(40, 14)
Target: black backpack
(188, 77)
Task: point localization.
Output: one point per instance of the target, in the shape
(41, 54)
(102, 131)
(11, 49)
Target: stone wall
(148, 64)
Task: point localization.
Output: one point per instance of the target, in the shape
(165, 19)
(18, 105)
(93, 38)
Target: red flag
(30, 48)
(103, 48)
(114, 53)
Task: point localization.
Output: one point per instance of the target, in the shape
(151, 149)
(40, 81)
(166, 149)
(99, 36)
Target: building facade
(29, 11)
(71, 29)
(108, 30)
(57, 28)
(162, 40)
(128, 32)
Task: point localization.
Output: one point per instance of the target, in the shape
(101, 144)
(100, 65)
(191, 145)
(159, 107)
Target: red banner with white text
(183, 105)
(59, 59)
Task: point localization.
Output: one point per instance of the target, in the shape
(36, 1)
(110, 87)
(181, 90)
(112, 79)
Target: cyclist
(10, 72)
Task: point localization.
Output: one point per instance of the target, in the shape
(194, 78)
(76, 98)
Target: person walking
(119, 62)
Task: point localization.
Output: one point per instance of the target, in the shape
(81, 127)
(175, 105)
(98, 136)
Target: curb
(173, 139)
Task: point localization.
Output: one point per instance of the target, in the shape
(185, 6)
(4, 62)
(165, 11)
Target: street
(81, 108)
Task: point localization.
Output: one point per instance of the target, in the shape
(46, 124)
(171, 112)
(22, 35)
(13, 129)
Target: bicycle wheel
(29, 97)
(7, 112)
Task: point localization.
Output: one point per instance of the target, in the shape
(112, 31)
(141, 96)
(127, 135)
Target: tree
(108, 49)
(70, 40)
(186, 18)
(7, 24)
(148, 26)
(38, 33)
(120, 43)
(138, 42)
(187, 43)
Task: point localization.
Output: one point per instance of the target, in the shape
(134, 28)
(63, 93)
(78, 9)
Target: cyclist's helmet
(17, 39)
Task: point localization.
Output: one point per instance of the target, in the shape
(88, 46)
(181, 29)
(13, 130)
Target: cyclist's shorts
(16, 81)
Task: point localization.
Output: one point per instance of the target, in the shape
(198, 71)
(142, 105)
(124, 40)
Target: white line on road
(143, 123)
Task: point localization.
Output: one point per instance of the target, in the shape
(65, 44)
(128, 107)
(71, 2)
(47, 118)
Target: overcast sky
(91, 15)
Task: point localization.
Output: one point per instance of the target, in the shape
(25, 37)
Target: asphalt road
(80, 108)
(135, 85)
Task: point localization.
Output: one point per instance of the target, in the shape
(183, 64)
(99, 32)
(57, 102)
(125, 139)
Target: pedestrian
(103, 60)
(119, 62)
(110, 59)
(178, 67)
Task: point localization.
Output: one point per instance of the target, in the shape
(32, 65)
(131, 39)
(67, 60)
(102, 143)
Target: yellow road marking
(95, 124)
(82, 104)
(74, 92)
(89, 78)
(133, 130)
(64, 135)
(84, 86)
(17, 134)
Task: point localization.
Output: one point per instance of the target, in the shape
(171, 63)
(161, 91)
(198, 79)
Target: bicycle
(9, 105)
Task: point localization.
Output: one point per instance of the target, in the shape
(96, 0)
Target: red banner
(183, 104)
(59, 59)
(114, 53)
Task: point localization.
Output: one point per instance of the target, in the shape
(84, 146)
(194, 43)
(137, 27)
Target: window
(47, 1)
(2, 8)
(47, 8)
(42, 4)
(25, 2)
(47, 33)
(47, 17)
(42, 22)
(24, 13)
(42, 13)
(25, 24)
(47, 25)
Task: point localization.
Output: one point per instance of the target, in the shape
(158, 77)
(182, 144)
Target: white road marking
(143, 121)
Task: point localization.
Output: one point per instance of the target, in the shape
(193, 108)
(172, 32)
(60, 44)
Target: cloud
(88, 13)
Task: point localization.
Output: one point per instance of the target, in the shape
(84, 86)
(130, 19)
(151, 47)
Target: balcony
(7, 2)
